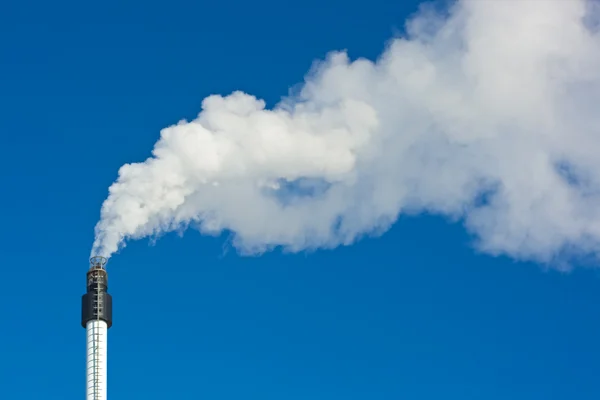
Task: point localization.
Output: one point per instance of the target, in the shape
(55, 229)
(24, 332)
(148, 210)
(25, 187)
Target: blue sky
(414, 314)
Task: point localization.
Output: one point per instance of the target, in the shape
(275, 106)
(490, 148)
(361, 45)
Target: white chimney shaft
(96, 332)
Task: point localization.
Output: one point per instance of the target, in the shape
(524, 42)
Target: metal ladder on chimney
(98, 307)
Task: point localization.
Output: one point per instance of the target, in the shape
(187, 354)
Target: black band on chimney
(96, 304)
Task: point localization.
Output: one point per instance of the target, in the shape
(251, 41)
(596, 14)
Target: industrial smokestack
(96, 318)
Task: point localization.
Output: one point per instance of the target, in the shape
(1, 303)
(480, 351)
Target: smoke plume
(487, 113)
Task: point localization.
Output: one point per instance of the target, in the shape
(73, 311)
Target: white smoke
(489, 114)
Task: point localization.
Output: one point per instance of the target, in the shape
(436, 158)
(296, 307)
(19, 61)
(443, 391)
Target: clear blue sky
(415, 314)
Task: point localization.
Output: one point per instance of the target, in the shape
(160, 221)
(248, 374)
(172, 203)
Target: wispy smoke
(488, 114)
